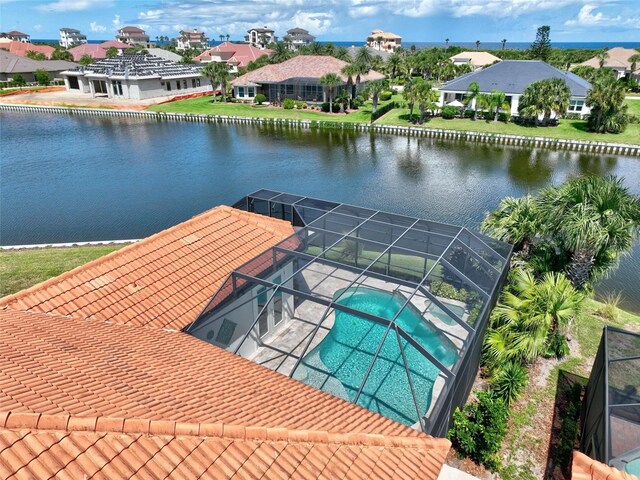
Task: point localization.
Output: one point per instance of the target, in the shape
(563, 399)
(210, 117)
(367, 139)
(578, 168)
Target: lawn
(20, 269)
(568, 129)
(203, 105)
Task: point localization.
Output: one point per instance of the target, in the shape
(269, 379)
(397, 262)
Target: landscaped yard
(568, 129)
(20, 269)
(203, 105)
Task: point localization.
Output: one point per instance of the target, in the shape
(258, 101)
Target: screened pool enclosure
(611, 409)
(382, 310)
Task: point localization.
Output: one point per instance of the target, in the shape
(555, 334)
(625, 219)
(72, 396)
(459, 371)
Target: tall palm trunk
(579, 268)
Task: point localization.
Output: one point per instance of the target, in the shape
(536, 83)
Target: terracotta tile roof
(239, 54)
(21, 48)
(617, 57)
(119, 401)
(586, 468)
(301, 66)
(162, 281)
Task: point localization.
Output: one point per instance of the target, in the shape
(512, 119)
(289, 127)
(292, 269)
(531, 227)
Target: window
(289, 89)
(177, 84)
(117, 87)
(576, 105)
(252, 92)
(197, 82)
(263, 319)
(184, 84)
(241, 91)
(277, 303)
(193, 83)
(168, 86)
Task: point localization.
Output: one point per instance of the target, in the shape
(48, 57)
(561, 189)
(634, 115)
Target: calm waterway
(65, 179)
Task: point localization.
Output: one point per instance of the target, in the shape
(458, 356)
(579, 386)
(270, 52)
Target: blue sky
(414, 20)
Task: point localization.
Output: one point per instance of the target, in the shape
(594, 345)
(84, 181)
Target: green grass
(203, 105)
(634, 106)
(20, 269)
(567, 129)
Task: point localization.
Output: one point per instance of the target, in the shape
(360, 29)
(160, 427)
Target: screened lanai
(383, 310)
(611, 408)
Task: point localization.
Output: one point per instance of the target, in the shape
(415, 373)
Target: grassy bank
(567, 130)
(204, 105)
(20, 269)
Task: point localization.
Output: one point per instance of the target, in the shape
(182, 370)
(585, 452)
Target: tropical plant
(602, 56)
(473, 90)
(541, 47)
(508, 381)
(529, 314)
(218, 73)
(426, 98)
(19, 80)
(479, 428)
(315, 48)
(498, 101)
(446, 42)
(610, 306)
(546, 98)
(342, 99)
(594, 220)
(280, 53)
(373, 90)
(515, 220)
(62, 55)
(330, 81)
(409, 94)
(608, 111)
(33, 55)
(342, 53)
(477, 44)
(112, 52)
(260, 98)
(42, 77)
(393, 64)
(634, 59)
(86, 59)
(363, 58)
(503, 42)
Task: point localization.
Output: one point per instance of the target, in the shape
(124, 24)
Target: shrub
(469, 113)
(382, 110)
(449, 112)
(357, 102)
(325, 107)
(42, 77)
(288, 104)
(557, 345)
(385, 96)
(260, 98)
(479, 428)
(304, 105)
(609, 309)
(508, 381)
(18, 80)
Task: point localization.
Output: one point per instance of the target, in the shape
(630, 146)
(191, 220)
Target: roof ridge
(140, 426)
(5, 301)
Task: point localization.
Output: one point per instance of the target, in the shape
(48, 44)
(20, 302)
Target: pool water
(633, 467)
(339, 363)
(443, 317)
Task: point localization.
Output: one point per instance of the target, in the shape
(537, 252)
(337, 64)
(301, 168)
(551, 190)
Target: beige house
(260, 37)
(619, 60)
(477, 60)
(384, 41)
(188, 39)
(133, 36)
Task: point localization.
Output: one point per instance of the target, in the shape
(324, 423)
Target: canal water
(66, 179)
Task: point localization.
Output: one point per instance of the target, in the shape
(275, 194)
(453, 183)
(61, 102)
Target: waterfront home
(353, 52)
(298, 37)
(16, 35)
(97, 51)
(22, 48)
(297, 78)
(477, 60)
(11, 64)
(260, 37)
(136, 77)
(619, 60)
(102, 381)
(188, 39)
(236, 55)
(512, 77)
(133, 36)
(385, 41)
(70, 37)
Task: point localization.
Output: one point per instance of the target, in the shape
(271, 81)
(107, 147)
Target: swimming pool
(339, 363)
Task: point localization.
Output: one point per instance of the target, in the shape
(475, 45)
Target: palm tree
(473, 90)
(516, 220)
(218, 73)
(426, 98)
(227, 36)
(498, 101)
(351, 71)
(409, 94)
(316, 48)
(342, 99)
(529, 316)
(606, 100)
(503, 42)
(280, 53)
(373, 90)
(602, 56)
(330, 81)
(477, 44)
(594, 219)
(342, 53)
(545, 98)
(393, 64)
(221, 36)
(329, 49)
(363, 57)
(634, 59)
(446, 42)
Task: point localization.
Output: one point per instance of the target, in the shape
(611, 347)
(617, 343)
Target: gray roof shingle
(11, 63)
(513, 76)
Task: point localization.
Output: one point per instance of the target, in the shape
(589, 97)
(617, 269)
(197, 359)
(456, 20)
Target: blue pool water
(633, 467)
(340, 361)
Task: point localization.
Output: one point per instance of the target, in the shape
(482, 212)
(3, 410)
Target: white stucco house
(136, 77)
(70, 37)
(260, 37)
(512, 77)
(188, 39)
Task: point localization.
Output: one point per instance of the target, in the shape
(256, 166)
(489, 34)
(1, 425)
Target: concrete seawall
(452, 135)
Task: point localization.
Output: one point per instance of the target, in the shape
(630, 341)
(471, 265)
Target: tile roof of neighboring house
(97, 50)
(386, 35)
(131, 30)
(617, 57)
(16, 33)
(114, 43)
(586, 468)
(239, 54)
(11, 63)
(513, 76)
(298, 68)
(479, 59)
(89, 397)
(162, 281)
(21, 48)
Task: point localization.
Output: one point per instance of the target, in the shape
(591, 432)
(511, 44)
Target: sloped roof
(113, 43)
(386, 35)
(21, 48)
(299, 67)
(131, 29)
(97, 51)
(89, 397)
(166, 54)
(238, 53)
(617, 57)
(16, 33)
(479, 59)
(11, 63)
(586, 468)
(513, 76)
(162, 281)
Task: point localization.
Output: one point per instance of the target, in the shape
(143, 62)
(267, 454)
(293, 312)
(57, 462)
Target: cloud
(73, 5)
(38, 27)
(150, 14)
(116, 22)
(587, 17)
(95, 27)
